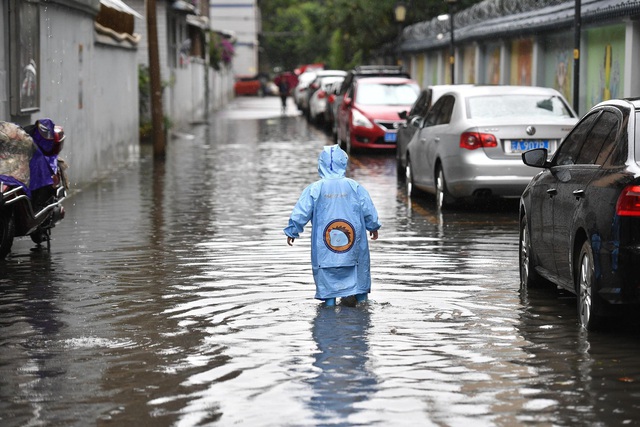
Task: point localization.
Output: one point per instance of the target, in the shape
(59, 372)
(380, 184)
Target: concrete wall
(609, 54)
(89, 88)
(185, 93)
(92, 90)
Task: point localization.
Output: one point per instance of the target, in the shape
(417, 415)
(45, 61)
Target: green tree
(339, 33)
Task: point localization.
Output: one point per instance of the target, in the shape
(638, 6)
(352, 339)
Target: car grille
(388, 125)
(380, 141)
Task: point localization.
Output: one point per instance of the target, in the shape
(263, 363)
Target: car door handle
(423, 140)
(436, 139)
(578, 193)
(552, 192)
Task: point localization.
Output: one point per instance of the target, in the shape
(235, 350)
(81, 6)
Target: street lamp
(400, 12)
(452, 49)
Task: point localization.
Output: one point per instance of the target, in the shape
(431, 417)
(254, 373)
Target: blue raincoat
(341, 213)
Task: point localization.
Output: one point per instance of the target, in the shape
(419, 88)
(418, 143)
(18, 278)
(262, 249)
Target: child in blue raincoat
(341, 213)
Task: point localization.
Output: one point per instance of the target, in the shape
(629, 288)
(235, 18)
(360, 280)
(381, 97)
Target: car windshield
(329, 80)
(387, 94)
(492, 106)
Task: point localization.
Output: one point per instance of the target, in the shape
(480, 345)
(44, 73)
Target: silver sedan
(469, 145)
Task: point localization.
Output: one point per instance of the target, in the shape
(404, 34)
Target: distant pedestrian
(283, 89)
(341, 212)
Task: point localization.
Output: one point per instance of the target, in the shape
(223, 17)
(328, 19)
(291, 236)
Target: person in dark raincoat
(341, 213)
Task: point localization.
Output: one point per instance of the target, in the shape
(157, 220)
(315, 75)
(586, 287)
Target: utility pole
(576, 56)
(451, 4)
(157, 115)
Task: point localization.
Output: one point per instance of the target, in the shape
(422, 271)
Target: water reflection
(344, 380)
(171, 298)
(30, 318)
(581, 377)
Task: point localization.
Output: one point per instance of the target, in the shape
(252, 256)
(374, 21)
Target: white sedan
(469, 145)
(318, 101)
(300, 91)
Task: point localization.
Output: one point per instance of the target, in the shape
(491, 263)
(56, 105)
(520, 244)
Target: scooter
(33, 182)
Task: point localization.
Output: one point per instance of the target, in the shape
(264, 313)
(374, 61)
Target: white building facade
(242, 19)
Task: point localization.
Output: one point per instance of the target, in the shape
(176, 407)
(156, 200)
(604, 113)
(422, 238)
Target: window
(444, 115)
(24, 45)
(421, 105)
(570, 148)
(432, 115)
(177, 41)
(601, 142)
(490, 106)
(386, 94)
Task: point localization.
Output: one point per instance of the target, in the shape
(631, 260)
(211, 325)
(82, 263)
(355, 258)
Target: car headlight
(359, 119)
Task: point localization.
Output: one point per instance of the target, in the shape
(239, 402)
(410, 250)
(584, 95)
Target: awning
(120, 6)
(198, 21)
(183, 6)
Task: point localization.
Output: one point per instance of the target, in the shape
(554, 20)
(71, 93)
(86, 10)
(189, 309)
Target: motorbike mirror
(403, 115)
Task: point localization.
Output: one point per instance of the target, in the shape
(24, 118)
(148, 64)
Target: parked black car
(580, 216)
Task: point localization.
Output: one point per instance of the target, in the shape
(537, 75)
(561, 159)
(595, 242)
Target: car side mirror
(402, 115)
(416, 122)
(536, 158)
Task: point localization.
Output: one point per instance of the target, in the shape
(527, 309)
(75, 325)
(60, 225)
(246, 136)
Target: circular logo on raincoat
(339, 236)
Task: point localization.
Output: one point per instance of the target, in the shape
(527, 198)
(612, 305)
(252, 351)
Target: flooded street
(170, 298)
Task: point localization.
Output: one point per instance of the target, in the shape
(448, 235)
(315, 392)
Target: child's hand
(290, 241)
(374, 235)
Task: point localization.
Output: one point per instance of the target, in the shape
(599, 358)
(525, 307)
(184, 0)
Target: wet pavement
(170, 298)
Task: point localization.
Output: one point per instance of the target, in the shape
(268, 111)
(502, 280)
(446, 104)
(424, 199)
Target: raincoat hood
(332, 162)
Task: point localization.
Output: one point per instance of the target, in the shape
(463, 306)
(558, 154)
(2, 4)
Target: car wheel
(589, 302)
(528, 276)
(348, 147)
(443, 198)
(412, 191)
(401, 171)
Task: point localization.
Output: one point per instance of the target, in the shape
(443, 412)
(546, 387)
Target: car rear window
(491, 106)
(387, 94)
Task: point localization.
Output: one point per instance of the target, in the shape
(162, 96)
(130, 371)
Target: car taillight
(321, 94)
(629, 201)
(331, 98)
(473, 140)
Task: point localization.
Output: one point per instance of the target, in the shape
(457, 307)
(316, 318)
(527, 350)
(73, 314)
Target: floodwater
(170, 298)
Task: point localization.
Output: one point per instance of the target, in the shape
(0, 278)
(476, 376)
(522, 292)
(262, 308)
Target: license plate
(390, 137)
(521, 145)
